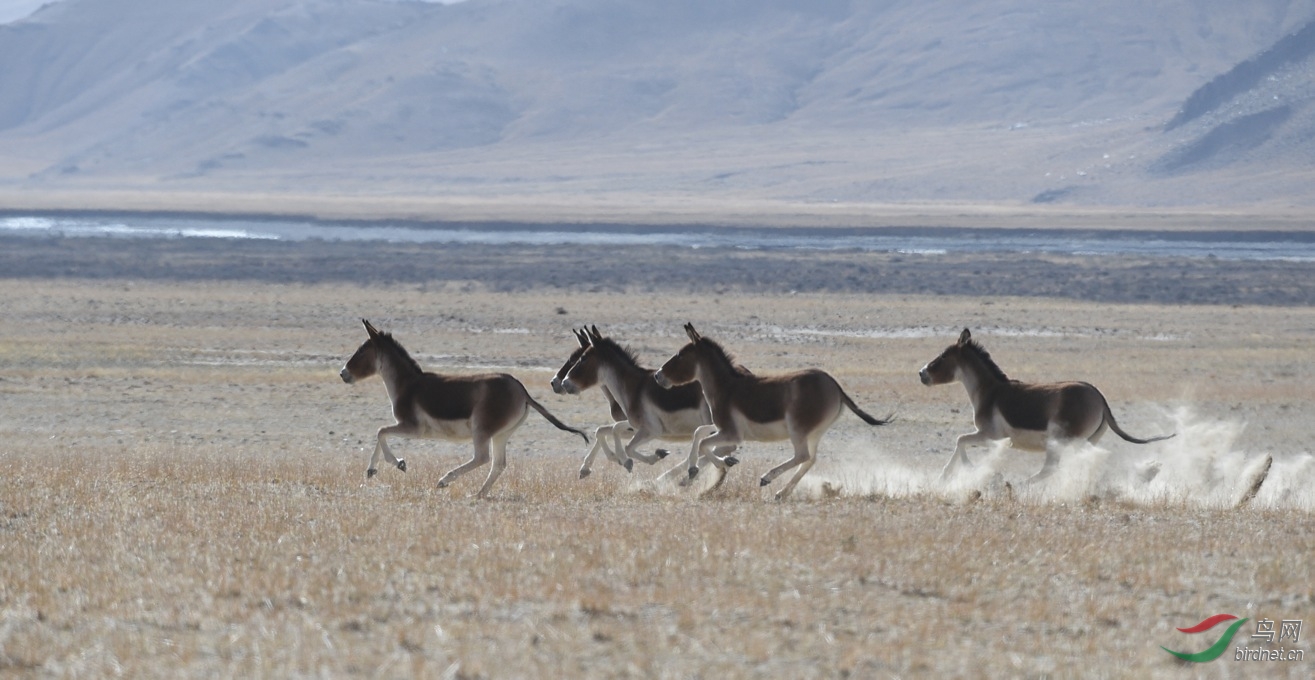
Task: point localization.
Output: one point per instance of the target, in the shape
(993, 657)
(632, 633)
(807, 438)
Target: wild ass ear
(374, 332)
(581, 337)
(965, 336)
(595, 334)
(693, 334)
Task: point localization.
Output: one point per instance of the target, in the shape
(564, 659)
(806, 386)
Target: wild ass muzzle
(653, 412)
(484, 409)
(798, 406)
(1032, 416)
(615, 430)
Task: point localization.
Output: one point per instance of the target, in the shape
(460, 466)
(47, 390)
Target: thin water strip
(1275, 246)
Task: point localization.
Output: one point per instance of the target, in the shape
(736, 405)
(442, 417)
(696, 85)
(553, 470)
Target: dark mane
(985, 357)
(623, 354)
(726, 357)
(384, 342)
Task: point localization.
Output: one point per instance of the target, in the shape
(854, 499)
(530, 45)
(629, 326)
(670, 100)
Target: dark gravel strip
(659, 268)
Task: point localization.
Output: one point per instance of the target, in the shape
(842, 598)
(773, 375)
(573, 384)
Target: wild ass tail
(1114, 425)
(863, 414)
(553, 419)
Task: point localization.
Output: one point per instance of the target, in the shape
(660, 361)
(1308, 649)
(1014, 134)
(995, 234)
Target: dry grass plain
(184, 495)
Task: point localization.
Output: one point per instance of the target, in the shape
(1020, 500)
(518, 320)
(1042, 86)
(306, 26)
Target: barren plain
(184, 493)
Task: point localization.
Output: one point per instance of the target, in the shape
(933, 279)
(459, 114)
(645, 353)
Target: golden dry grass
(183, 495)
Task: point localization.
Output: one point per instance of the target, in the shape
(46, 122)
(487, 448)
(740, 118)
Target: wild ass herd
(702, 395)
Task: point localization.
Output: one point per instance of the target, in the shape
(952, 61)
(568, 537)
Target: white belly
(751, 431)
(433, 428)
(678, 425)
(1027, 440)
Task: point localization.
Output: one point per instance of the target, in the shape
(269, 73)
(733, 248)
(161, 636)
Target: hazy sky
(12, 10)
(17, 9)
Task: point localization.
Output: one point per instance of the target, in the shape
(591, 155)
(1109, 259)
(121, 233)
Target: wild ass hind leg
(499, 451)
(701, 433)
(721, 460)
(805, 449)
(381, 446)
(1257, 479)
(481, 457)
(1053, 448)
(630, 453)
(622, 456)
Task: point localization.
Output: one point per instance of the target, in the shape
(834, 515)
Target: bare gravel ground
(184, 489)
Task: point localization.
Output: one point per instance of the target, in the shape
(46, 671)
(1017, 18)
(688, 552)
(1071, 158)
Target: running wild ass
(652, 411)
(485, 409)
(602, 433)
(798, 406)
(1034, 417)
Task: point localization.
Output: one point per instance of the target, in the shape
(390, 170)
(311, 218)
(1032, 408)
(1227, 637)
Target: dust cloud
(1208, 464)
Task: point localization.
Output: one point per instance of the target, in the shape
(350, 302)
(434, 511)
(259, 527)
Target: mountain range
(564, 109)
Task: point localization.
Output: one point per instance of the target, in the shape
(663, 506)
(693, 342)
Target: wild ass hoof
(661, 453)
(401, 465)
(764, 481)
(442, 483)
(694, 472)
(731, 461)
(585, 473)
(629, 465)
(370, 473)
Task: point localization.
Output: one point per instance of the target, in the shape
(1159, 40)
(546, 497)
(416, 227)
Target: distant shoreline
(727, 232)
(658, 212)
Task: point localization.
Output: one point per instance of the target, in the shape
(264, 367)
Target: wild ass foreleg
(381, 446)
(696, 444)
(642, 436)
(706, 447)
(718, 458)
(600, 444)
(481, 457)
(960, 456)
(618, 448)
(721, 457)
